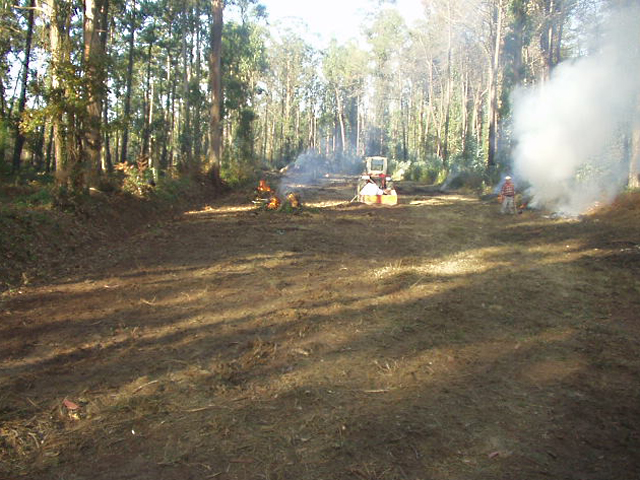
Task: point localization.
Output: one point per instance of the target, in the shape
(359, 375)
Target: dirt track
(436, 339)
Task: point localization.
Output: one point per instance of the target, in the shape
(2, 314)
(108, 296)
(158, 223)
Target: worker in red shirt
(507, 196)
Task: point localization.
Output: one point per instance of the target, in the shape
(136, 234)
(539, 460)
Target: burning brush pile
(267, 199)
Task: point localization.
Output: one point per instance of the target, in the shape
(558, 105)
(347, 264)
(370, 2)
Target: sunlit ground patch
(221, 210)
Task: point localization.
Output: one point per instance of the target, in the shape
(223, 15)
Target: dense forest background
(117, 94)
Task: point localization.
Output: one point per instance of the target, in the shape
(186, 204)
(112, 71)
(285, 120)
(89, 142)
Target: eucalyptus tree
(95, 17)
(168, 58)
(312, 91)
(345, 71)
(387, 37)
(289, 58)
(77, 69)
(10, 34)
(62, 88)
(132, 21)
(244, 63)
(215, 88)
(191, 31)
(24, 80)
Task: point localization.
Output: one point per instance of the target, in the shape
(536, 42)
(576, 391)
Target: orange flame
(263, 187)
(293, 200)
(274, 203)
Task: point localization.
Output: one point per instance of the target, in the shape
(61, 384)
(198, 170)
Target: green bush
(467, 180)
(173, 189)
(423, 171)
(41, 197)
(238, 175)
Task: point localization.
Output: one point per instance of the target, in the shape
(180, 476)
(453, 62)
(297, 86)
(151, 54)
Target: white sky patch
(337, 19)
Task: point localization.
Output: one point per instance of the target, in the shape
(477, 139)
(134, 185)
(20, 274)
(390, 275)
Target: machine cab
(376, 166)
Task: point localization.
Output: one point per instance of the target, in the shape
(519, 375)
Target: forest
(156, 90)
(159, 320)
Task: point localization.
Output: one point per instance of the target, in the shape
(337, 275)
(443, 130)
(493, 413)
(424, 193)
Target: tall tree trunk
(477, 116)
(358, 126)
(215, 89)
(107, 161)
(340, 117)
(107, 164)
(430, 110)
(447, 100)
(58, 28)
(464, 114)
(148, 102)
(154, 162)
(49, 147)
(404, 111)
(167, 114)
(94, 60)
(551, 36)
(173, 122)
(19, 142)
(197, 126)
(493, 86)
(187, 134)
(127, 95)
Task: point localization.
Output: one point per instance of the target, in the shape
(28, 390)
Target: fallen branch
(202, 409)
(145, 385)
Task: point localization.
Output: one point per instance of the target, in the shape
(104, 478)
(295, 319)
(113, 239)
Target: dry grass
(435, 339)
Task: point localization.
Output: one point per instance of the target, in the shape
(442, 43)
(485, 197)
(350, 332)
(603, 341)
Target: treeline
(168, 88)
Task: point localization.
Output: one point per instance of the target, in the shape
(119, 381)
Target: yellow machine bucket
(378, 199)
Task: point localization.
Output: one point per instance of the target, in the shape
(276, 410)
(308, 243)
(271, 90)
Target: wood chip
(70, 405)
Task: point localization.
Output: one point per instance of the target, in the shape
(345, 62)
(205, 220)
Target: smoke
(310, 168)
(314, 169)
(570, 130)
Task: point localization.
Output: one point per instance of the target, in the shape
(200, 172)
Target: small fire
(274, 203)
(264, 187)
(294, 200)
(269, 199)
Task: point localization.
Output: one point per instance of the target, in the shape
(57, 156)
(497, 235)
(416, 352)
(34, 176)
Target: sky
(326, 19)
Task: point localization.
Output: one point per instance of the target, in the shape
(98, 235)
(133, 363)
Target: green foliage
(4, 143)
(171, 190)
(41, 197)
(468, 173)
(427, 171)
(238, 174)
(281, 96)
(244, 62)
(136, 179)
(467, 179)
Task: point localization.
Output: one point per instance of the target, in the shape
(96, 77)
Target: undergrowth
(43, 227)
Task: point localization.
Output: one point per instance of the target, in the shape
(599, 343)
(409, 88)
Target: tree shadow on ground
(479, 356)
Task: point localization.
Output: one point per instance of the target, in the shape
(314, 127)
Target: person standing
(508, 194)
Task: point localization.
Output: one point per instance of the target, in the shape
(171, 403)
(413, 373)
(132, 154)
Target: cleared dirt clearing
(436, 339)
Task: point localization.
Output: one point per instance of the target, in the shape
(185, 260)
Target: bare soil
(435, 339)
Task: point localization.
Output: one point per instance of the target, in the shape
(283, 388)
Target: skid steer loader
(374, 185)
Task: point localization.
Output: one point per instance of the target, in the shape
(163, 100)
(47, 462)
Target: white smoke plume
(310, 168)
(569, 130)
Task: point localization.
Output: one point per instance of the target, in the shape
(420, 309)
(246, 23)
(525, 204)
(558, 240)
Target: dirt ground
(432, 340)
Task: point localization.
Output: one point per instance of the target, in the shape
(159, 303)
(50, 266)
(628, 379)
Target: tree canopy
(144, 84)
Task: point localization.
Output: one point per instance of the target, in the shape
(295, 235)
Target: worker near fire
(507, 196)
